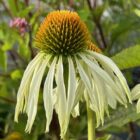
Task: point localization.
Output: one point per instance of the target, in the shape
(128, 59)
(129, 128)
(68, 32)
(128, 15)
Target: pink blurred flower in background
(20, 24)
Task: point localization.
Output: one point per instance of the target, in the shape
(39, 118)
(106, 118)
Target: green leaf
(84, 13)
(1, 34)
(4, 107)
(137, 12)
(121, 116)
(126, 25)
(25, 11)
(16, 74)
(106, 137)
(3, 60)
(24, 47)
(12, 5)
(6, 46)
(128, 58)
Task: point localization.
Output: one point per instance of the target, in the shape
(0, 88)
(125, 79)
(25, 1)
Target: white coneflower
(76, 69)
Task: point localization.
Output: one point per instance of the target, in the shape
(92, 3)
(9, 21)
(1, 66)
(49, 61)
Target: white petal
(48, 94)
(30, 110)
(138, 106)
(100, 97)
(121, 93)
(111, 98)
(117, 92)
(110, 64)
(88, 85)
(85, 78)
(99, 87)
(22, 95)
(34, 93)
(71, 87)
(61, 108)
(83, 75)
(76, 111)
(103, 74)
(135, 92)
(79, 92)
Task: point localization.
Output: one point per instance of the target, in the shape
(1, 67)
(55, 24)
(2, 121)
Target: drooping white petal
(135, 92)
(86, 80)
(71, 87)
(79, 92)
(48, 93)
(111, 97)
(138, 106)
(117, 92)
(76, 111)
(101, 85)
(103, 74)
(71, 93)
(83, 75)
(34, 93)
(121, 91)
(99, 95)
(61, 91)
(108, 63)
(22, 95)
(93, 106)
(88, 85)
(98, 89)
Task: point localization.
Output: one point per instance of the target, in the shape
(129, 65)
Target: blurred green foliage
(115, 28)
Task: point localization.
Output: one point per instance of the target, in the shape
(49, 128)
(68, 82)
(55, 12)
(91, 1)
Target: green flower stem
(91, 124)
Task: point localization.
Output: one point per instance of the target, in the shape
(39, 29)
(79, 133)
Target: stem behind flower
(91, 124)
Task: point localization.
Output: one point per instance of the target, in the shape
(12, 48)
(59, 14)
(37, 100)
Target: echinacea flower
(75, 69)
